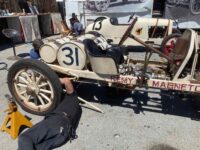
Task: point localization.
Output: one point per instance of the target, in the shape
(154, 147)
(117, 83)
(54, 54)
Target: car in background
(102, 5)
(194, 5)
(153, 30)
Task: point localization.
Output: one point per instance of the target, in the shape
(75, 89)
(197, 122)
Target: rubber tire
(176, 31)
(166, 39)
(44, 70)
(191, 9)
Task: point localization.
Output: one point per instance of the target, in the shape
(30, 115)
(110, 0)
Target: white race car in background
(147, 29)
(102, 5)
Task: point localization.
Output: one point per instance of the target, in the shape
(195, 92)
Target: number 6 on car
(72, 55)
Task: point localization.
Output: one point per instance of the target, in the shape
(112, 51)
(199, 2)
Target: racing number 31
(71, 57)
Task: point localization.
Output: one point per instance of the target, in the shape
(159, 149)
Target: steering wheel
(126, 34)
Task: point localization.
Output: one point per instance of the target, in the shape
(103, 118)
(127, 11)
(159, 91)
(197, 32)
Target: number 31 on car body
(72, 55)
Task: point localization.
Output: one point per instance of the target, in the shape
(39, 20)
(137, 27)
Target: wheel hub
(33, 89)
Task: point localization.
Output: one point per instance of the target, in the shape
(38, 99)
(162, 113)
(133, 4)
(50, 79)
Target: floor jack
(14, 120)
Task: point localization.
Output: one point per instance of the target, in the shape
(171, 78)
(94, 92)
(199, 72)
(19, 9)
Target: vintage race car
(102, 5)
(194, 5)
(147, 29)
(35, 84)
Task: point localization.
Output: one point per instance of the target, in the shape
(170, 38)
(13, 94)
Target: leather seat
(116, 54)
(113, 52)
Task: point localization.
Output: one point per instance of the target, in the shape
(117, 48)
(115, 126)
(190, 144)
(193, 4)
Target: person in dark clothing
(73, 20)
(57, 128)
(76, 26)
(24, 6)
(34, 52)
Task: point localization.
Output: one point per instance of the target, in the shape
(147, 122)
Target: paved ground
(162, 123)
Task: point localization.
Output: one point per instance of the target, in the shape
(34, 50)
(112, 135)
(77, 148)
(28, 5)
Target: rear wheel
(168, 43)
(34, 86)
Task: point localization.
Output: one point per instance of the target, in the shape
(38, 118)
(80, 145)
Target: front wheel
(195, 7)
(34, 86)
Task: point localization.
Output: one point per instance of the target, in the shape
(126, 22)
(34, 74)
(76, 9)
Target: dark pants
(50, 133)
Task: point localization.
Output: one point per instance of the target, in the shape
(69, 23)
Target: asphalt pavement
(144, 119)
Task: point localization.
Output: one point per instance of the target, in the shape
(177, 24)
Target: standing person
(24, 6)
(57, 127)
(76, 26)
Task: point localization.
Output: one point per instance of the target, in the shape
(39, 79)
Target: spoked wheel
(195, 7)
(171, 3)
(102, 5)
(34, 86)
(168, 43)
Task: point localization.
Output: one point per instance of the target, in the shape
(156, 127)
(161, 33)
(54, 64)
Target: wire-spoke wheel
(34, 86)
(169, 42)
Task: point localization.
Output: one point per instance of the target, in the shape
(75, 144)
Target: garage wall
(43, 5)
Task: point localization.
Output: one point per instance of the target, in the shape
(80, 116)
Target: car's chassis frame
(186, 84)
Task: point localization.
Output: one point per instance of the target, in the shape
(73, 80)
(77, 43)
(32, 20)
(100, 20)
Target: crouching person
(58, 127)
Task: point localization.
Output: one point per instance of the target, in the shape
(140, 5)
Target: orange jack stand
(14, 120)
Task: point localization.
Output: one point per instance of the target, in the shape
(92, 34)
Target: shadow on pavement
(4, 46)
(23, 55)
(162, 147)
(165, 102)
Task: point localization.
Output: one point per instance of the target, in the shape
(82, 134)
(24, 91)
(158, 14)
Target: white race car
(36, 87)
(147, 29)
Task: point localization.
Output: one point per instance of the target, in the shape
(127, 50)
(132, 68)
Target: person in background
(76, 26)
(34, 53)
(24, 6)
(58, 127)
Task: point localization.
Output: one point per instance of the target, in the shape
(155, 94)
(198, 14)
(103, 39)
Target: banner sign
(187, 12)
(92, 9)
